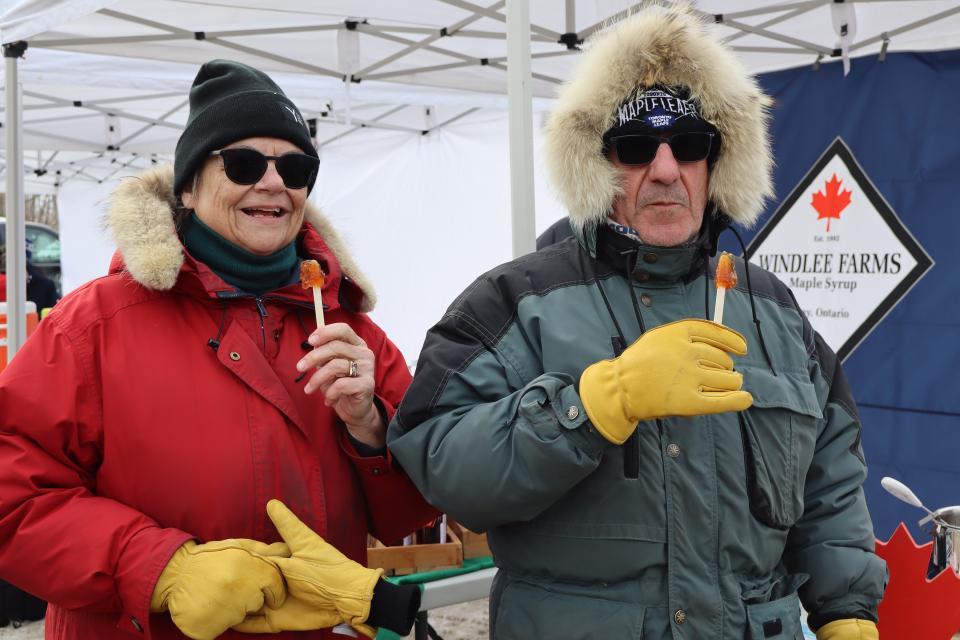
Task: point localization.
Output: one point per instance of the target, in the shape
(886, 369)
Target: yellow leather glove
(293, 615)
(848, 629)
(318, 576)
(208, 588)
(678, 369)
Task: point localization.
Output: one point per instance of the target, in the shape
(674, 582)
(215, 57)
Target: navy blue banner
(900, 120)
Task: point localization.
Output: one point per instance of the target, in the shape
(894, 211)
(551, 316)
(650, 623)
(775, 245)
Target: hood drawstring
(706, 282)
(753, 308)
(633, 294)
(214, 343)
(631, 448)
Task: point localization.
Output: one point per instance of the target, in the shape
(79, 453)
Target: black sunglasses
(247, 166)
(691, 146)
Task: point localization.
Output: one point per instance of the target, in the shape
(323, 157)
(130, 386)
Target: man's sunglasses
(247, 166)
(639, 149)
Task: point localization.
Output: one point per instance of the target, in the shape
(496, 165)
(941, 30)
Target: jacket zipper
(262, 310)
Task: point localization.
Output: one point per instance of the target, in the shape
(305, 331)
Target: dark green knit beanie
(230, 101)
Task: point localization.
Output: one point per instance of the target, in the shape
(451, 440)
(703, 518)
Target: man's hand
(208, 588)
(321, 578)
(678, 369)
(338, 354)
(848, 629)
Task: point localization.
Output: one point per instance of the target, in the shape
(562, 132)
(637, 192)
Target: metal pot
(946, 540)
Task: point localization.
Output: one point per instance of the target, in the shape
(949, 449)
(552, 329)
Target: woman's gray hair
(181, 212)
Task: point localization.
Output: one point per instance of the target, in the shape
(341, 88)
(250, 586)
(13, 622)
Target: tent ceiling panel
(400, 42)
(137, 58)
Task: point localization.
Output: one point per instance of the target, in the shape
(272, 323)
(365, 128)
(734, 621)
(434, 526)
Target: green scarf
(237, 266)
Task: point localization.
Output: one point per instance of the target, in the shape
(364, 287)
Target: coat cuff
(394, 606)
(142, 561)
(364, 450)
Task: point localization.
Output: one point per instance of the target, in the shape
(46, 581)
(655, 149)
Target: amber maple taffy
(311, 277)
(725, 278)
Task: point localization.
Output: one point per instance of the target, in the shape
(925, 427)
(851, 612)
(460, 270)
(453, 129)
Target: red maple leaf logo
(914, 607)
(830, 204)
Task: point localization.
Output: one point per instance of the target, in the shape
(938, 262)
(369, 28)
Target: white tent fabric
(417, 212)
(85, 245)
(294, 35)
(105, 75)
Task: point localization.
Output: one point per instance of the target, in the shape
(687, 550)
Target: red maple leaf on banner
(914, 607)
(830, 204)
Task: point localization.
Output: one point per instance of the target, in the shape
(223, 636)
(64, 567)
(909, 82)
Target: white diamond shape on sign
(842, 249)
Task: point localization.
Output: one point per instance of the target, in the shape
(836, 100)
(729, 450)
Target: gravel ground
(466, 621)
(29, 631)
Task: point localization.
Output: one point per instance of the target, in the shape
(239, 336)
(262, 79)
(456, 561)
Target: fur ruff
(659, 46)
(140, 216)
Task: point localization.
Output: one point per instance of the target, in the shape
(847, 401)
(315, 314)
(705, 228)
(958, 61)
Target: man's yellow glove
(848, 629)
(208, 588)
(320, 577)
(678, 369)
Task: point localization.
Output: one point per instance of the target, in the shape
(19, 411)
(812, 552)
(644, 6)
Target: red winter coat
(123, 433)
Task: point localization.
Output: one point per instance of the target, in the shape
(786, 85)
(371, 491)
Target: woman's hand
(344, 375)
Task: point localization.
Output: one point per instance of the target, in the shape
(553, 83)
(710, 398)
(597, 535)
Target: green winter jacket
(733, 520)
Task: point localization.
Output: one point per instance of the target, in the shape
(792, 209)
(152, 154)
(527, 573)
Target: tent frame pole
(15, 206)
(520, 97)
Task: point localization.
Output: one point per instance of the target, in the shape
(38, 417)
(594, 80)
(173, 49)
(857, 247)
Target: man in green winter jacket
(643, 472)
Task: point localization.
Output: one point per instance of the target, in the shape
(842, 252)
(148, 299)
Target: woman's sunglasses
(638, 149)
(247, 166)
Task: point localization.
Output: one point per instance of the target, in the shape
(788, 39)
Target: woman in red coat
(147, 423)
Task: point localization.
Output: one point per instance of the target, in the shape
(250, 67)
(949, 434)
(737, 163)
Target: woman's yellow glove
(208, 588)
(319, 577)
(848, 629)
(294, 615)
(678, 369)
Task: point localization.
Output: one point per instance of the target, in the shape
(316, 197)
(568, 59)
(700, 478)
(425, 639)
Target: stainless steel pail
(946, 537)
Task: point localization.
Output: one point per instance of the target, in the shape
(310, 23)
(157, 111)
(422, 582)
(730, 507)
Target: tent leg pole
(520, 96)
(16, 229)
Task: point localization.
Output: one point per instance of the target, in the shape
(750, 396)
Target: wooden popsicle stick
(718, 307)
(318, 305)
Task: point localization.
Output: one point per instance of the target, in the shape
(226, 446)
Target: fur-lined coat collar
(140, 216)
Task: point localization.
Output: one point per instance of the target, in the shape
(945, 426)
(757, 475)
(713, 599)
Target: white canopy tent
(104, 82)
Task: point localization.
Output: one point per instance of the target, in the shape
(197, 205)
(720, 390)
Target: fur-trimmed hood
(140, 216)
(668, 46)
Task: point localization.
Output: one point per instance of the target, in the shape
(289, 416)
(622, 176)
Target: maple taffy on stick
(725, 278)
(311, 277)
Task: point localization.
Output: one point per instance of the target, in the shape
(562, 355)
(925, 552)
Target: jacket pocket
(525, 610)
(773, 612)
(778, 434)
